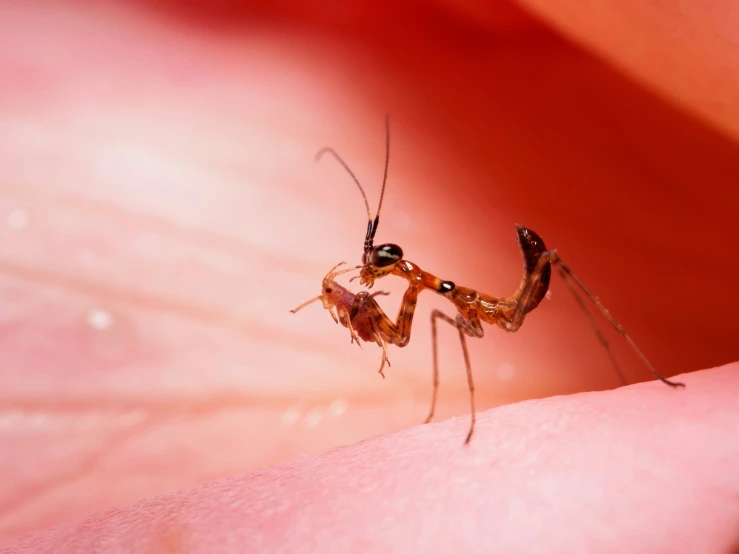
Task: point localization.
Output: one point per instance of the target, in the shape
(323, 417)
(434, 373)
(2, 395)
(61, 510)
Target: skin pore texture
(596, 459)
(163, 214)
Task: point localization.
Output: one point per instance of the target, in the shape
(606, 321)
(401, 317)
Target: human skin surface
(594, 472)
(164, 215)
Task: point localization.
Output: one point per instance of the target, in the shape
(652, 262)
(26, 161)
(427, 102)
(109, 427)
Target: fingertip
(593, 458)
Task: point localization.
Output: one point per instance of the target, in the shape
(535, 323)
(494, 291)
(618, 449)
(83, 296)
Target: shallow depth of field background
(160, 214)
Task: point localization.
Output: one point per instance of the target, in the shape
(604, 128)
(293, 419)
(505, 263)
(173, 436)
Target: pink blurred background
(162, 214)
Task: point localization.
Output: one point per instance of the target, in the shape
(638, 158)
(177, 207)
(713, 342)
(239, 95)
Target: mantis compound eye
(386, 255)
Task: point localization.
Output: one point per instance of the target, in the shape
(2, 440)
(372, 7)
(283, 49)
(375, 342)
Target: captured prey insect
(473, 307)
(361, 314)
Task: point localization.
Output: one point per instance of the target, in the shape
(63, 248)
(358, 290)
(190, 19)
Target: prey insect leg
(358, 300)
(385, 359)
(463, 327)
(366, 313)
(374, 313)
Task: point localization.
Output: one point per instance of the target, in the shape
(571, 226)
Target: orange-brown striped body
(474, 306)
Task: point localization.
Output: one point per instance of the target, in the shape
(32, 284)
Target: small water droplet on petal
(18, 219)
(86, 257)
(402, 220)
(291, 416)
(109, 336)
(99, 319)
(313, 418)
(337, 407)
(10, 418)
(505, 371)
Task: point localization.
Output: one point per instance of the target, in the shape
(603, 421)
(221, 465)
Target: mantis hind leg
(532, 285)
(573, 281)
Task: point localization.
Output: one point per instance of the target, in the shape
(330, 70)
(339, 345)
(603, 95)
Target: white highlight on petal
(291, 416)
(100, 319)
(505, 371)
(313, 418)
(337, 407)
(18, 219)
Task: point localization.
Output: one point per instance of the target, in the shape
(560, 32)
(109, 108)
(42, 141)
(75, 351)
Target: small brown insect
(361, 314)
(473, 307)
